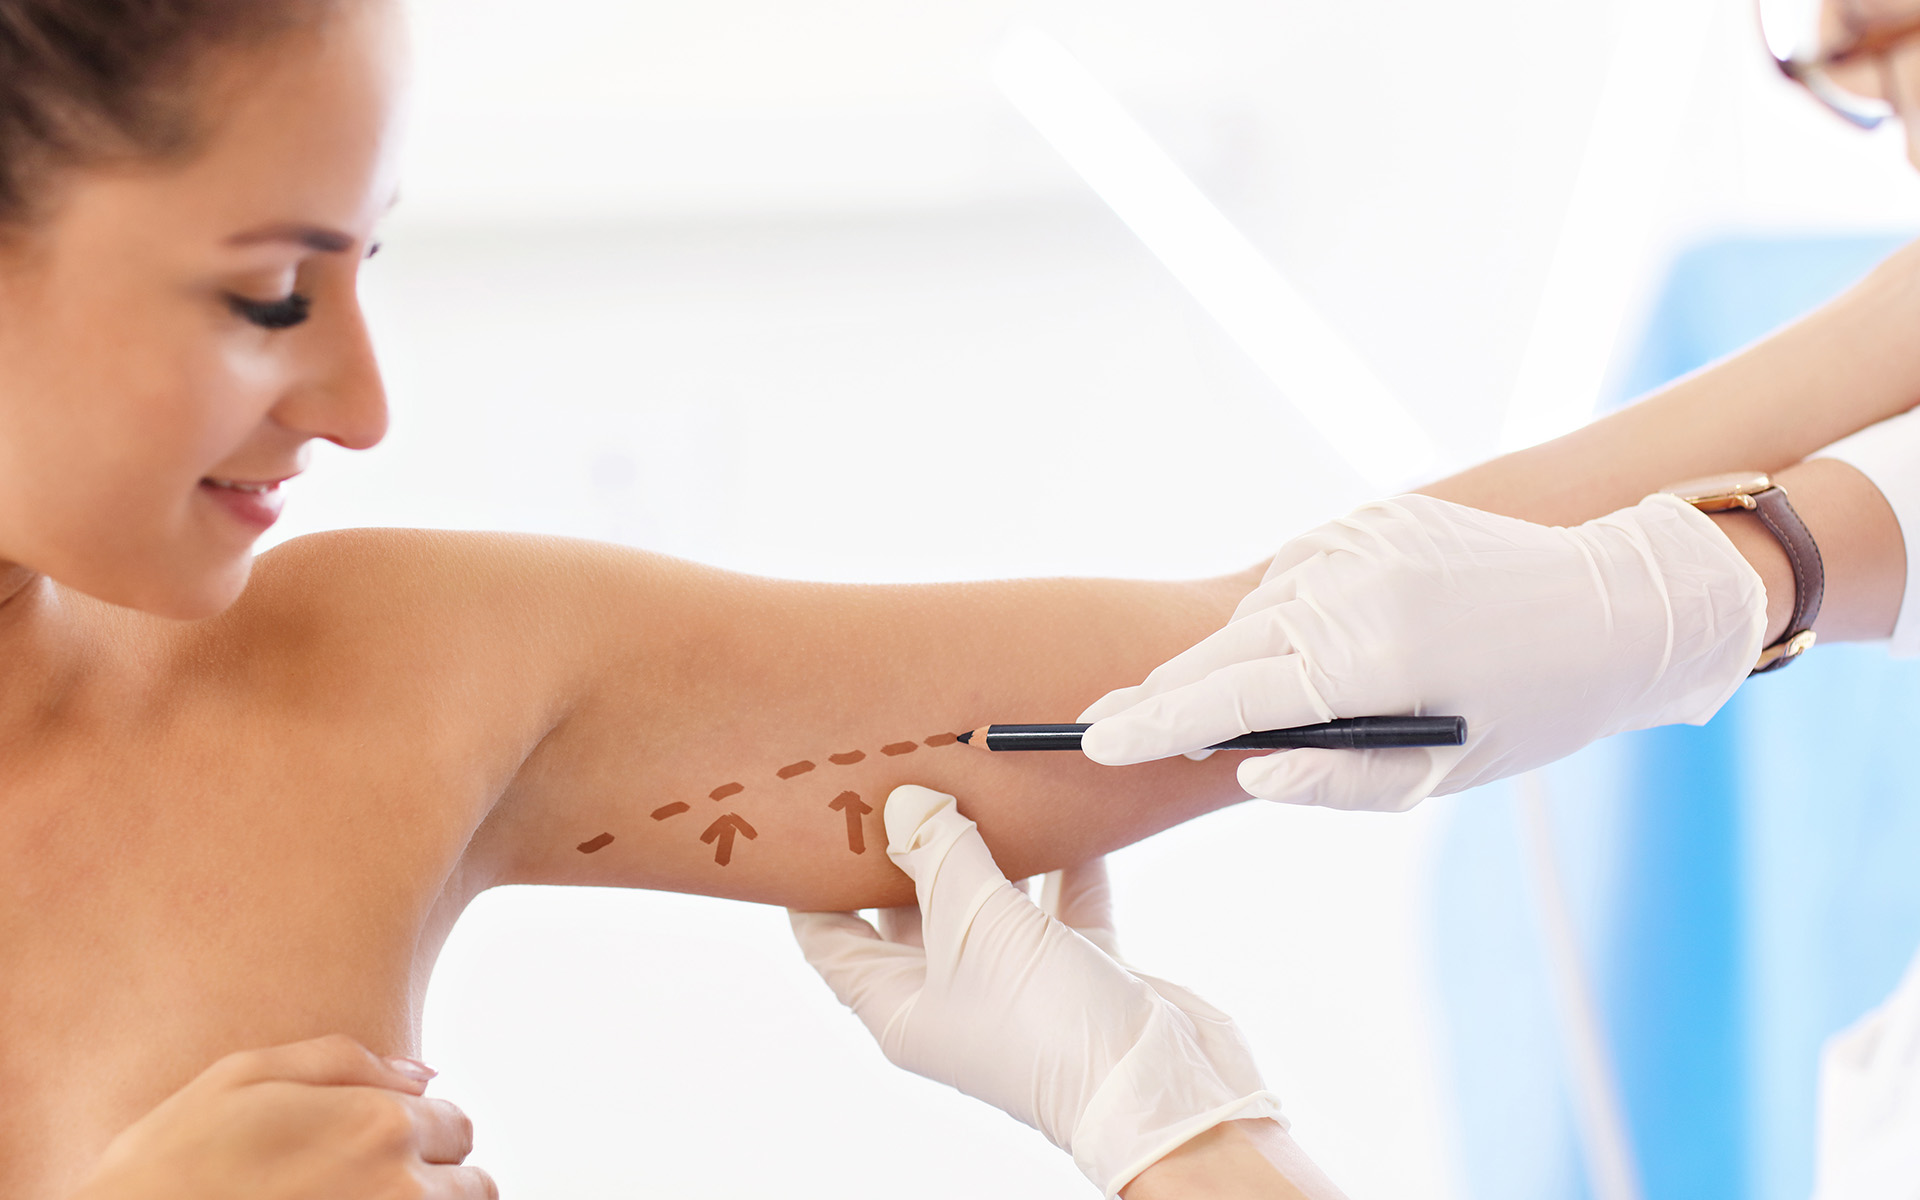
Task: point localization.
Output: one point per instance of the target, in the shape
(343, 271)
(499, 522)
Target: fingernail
(413, 1069)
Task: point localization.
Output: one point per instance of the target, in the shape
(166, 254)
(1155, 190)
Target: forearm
(792, 710)
(1861, 550)
(1239, 1160)
(1839, 370)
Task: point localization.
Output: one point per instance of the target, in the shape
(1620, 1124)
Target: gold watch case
(1722, 493)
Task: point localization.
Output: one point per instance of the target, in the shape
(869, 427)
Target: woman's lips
(255, 504)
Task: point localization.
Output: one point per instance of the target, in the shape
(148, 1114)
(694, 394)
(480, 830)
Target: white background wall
(764, 282)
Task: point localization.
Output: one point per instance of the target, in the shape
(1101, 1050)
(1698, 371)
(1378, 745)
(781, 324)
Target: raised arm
(735, 736)
(624, 719)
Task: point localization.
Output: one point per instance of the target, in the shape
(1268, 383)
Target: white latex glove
(1544, 638)
(1013, 1007)
(1869, 1144)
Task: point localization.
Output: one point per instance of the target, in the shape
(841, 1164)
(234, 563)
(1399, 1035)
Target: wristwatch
(1768, 500)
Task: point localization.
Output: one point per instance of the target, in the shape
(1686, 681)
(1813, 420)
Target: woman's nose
(344, 400)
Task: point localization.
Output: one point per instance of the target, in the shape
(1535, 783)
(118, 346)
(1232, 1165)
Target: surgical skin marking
(850, 803)
(724, 829)
(722, 833)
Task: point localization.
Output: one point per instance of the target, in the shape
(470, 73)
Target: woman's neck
(15, 581)
(24, 641)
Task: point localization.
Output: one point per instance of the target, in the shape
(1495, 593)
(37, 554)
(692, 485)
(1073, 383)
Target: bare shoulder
(349, 573)
(428, 589)
(351, 570)
(500, 625)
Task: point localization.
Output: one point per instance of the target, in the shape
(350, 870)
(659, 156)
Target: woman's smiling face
(174, 333)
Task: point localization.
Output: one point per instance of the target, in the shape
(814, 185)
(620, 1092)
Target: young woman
(242, 804)
(241, 808)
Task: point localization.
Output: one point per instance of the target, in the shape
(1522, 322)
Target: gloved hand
(1869, 1142)
(1544, 638)
(1015, 1008)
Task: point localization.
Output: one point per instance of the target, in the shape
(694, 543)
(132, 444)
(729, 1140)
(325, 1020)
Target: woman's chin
(199, 600)
(174, 594)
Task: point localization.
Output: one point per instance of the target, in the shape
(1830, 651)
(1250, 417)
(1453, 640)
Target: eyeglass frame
(1811, 73)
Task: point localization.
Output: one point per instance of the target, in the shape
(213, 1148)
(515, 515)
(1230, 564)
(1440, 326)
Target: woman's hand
(1544, 638)
(318, 1120)
(980, 989)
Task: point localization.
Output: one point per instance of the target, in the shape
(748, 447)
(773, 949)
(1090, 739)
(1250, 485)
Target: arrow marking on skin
(720, 835)
(850, 803)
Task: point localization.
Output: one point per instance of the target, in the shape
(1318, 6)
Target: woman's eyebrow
(313, 237)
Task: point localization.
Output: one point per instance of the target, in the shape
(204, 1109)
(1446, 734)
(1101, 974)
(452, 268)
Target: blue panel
(1831, 819)
(1668, 978)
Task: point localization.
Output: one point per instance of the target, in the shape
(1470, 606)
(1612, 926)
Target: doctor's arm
(1535, 597)
(1847, 365)
(1772, 407)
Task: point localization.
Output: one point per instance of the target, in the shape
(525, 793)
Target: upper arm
(597, 715)
(735, 736)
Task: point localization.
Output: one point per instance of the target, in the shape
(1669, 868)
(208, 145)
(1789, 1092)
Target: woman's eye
(272, 314)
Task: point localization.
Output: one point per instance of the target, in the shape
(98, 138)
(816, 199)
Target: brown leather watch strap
(1809, 575)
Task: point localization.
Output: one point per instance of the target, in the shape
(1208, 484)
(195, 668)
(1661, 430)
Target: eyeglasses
(1838, 50)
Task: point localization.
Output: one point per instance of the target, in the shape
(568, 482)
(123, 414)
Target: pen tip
(966, 739)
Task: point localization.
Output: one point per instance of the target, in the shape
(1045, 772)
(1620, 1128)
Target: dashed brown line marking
(899, 748)
(848, 759)
(599, 843)
(943, 739)
(723, 831)
(792, 769)
(671, 810)
(725, 790)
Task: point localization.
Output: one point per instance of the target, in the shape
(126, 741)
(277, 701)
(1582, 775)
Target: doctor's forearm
(1861, 550)
(1842, 368)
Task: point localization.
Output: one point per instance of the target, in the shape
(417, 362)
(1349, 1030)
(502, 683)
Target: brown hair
(82, 80)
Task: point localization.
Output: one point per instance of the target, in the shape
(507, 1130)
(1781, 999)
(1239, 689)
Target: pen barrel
(1034, 737)
(1358, 733)
(1354, 733)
